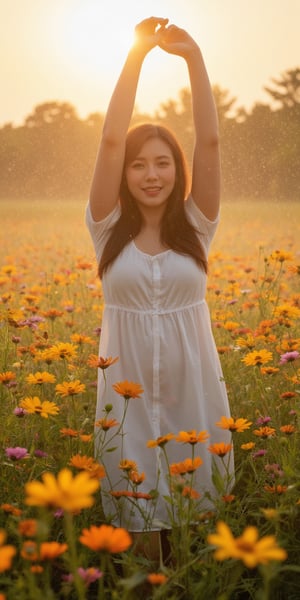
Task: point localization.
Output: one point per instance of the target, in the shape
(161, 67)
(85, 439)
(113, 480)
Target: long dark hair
(177, 232)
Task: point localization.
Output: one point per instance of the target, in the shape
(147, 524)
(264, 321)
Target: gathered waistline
(155, 310)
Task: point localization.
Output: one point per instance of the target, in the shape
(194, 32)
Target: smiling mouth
(152, 189)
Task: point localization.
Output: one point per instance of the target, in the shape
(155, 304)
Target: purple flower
(89, 575)
(19, 412)
(289, 357)
(16, 453)
(40, 454)
(259, 453)
(263, 420)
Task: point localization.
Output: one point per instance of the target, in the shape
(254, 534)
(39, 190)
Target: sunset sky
(73, 50)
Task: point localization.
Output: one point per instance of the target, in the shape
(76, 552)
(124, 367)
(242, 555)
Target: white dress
(157, 322)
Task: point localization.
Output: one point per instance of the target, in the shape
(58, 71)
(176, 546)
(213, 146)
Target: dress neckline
(147, 253)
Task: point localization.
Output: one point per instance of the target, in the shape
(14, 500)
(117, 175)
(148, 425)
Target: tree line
(52, 153)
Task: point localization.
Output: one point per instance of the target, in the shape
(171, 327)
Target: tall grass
(50, 314)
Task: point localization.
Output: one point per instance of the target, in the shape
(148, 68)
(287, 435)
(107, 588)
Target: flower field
(54, 540)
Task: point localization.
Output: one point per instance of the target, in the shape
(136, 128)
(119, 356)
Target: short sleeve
(206, 229)
(100, 230)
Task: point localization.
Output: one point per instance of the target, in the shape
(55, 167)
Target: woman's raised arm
(206, 159)
(106, 180)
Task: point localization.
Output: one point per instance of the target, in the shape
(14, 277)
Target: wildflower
(288, 395)
(87, 463)
(289, 357)
(275, 489)
(63, 351)
(40, 377)
(128, 389)
(19, 412)
(248, 548)
(188, 465)
(263, 420)
(101, 363)
(220, 449)
(274, 469)
(29, 551)
(69, 388)
(106, 424)
(106, 538)
(269, 370)
(287, 311)
(192, 437)
(247, 342)
(66, 492)
(259, 453)
(161, 441)
(281, 255)
(157, 578)
(6, 553)
(135, 477)
(33, 405)
(89, 575)
(78, 338)
(127, 465)
(16, 453)
(288, 429)
(68, 432)
(238, 425)
(248, 446)
(28, 527)
(270, 513)
(9, 508)
(51, 550)
(228, 498)
(7, 377)
(257, 357)
(85, 437)
(189, 492)
(40, 453)
(265, 432)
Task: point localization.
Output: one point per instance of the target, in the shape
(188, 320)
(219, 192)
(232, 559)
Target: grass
(50, 312)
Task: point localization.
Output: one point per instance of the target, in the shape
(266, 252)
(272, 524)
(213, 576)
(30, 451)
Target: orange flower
(7, 377)
(39, 378)
(106, 424)
(28, 527)
(238, 425)
(128, 389)
(88, 464)
(29, 551)
(160, 441)
(51, 550)
(106, 538)
(157, 578)
(189, 492)
(186, 466)
(248, 446)
(220, 449)
(9, 508)
(288, 429)
(192, 437)
(228, 498)
(276, 489)
(6, 553)
(265, 432)
(135, 477)
(101, 363)
(68, 432)
(257, 357)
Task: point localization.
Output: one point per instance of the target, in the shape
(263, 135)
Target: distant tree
(287, 89)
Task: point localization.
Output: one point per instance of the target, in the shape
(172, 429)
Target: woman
(151, 236)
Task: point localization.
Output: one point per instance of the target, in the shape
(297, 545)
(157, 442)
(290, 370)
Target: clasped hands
(155, 31)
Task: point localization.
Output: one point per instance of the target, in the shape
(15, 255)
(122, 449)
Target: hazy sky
(72, 50)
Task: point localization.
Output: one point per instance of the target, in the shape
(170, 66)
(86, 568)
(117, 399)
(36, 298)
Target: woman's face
(151, 175)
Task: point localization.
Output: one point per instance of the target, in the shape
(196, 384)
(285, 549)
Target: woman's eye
(137, 165)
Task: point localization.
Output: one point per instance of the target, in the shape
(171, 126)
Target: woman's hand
(177, 41)
(148, 33)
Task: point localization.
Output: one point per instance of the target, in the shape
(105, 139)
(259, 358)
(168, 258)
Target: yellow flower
(270, 513)
(40, 377)
(248, 446)
(33, 405)
(192, 437)
(66, 492)
(257, 357)
(220, 449)
(287, 311)
(248, 548)
(247, 342)
(281, 255)
(127, 465)
(69, 388)
(63, 351)
(238, 425)
(128, 389)
(6, 553)
(106, 538)
(80, 339)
